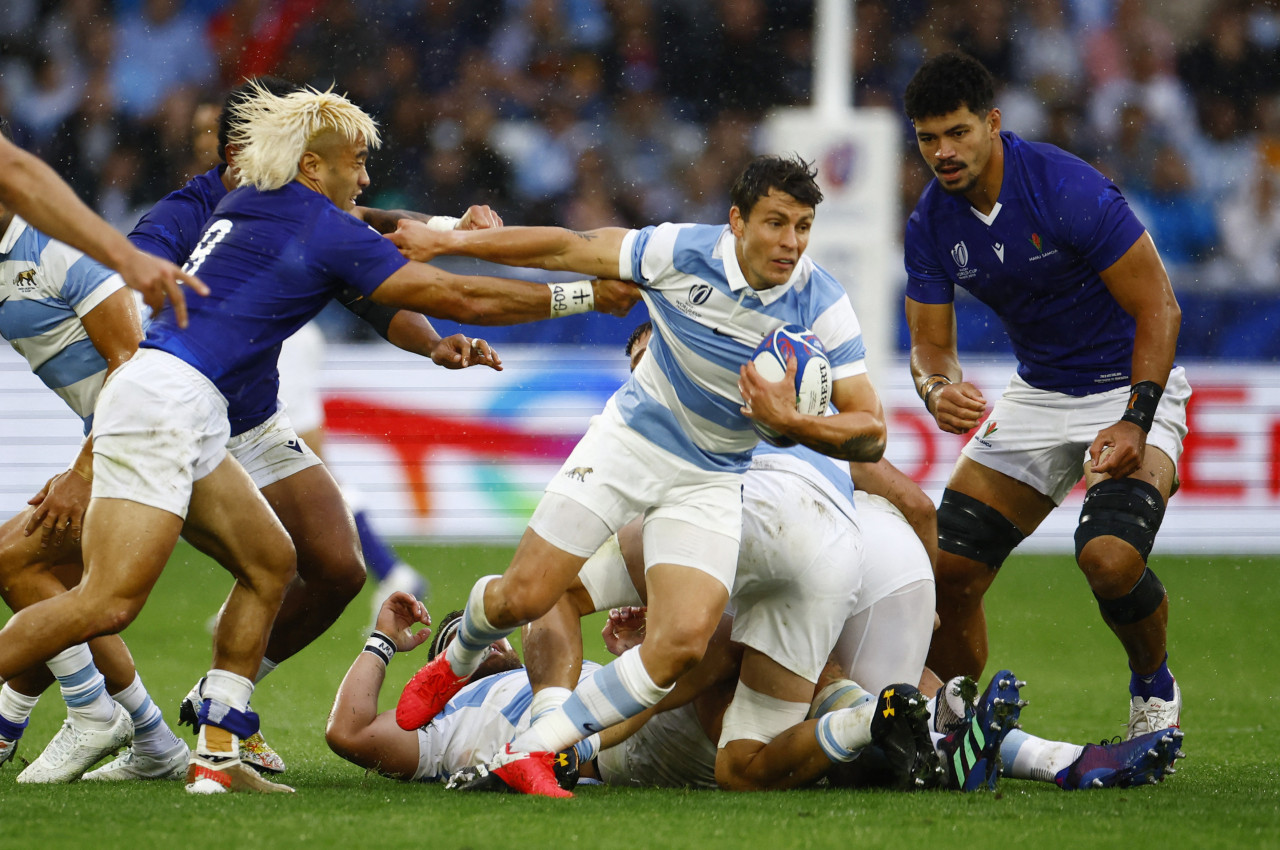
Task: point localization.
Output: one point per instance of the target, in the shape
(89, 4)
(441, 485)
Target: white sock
(151, 735)
(620, 689)
(475, 634)
(83, 688)
(227, 688)
(1028, 757)
(842, 733)
(547, 699)
(16, 707)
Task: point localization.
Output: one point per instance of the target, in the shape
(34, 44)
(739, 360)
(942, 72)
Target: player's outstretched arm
(355, 730)
(34, 191)
(1139, 283)
(477, 217)
(592, 252)
(476, 300)
(955, 404)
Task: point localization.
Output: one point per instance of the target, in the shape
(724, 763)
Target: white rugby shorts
(160, 426)
(799, 571)
(887, 638)
(301, 359)
(272, 451)
(1042, 438)
(613, 474)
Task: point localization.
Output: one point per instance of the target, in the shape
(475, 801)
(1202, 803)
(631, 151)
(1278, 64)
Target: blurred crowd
(598, 112)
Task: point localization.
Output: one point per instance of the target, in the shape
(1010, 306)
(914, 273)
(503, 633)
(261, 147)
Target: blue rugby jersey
(46, 286)
(1035, 260)
(173, 226)
(707, 321)
(271, 261)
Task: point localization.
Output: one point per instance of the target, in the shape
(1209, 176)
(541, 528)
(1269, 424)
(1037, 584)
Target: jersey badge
(960, 254)
(1041, 251)
(999, 249)
(990, 428)
(25, 281)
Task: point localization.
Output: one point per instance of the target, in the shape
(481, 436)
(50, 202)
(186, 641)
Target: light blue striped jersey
(45, 289)
(707, 321)
(475, 724)
(829, 475)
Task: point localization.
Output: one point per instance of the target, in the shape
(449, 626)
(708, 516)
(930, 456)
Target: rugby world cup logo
(960, 253)
(699, 293)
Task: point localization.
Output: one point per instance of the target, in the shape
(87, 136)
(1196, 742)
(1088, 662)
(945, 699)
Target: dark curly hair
(446, 632)
(946, 83)
(641, 329)
(792, 175)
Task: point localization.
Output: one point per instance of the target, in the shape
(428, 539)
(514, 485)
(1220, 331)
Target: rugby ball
(813, 373)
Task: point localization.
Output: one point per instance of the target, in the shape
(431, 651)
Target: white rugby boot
(133, 765)
(76, 748)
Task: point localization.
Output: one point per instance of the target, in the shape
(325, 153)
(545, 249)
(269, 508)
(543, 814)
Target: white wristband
(568, 299)
(442, 222)
(380, 646)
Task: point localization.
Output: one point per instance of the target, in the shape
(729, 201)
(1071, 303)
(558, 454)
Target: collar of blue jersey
(11, 235)
(737, 281)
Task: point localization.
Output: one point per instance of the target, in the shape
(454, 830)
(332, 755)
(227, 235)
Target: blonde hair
(272, 132)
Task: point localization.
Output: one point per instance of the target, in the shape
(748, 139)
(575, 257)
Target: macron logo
(999, 248)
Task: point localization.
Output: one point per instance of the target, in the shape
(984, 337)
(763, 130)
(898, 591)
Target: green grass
(1044, 626)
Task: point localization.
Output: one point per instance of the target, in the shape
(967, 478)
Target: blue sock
(12, 731)
(1159, 684)
(379, 558)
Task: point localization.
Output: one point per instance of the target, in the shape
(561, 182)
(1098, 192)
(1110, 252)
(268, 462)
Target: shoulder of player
(1042, 163)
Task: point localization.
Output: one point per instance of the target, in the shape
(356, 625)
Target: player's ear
(309, 165)
(993, 119)
(737, 222)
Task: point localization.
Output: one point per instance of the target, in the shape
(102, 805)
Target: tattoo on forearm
(584, 236)
(861, 448)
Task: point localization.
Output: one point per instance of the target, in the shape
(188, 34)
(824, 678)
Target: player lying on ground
(672, 749)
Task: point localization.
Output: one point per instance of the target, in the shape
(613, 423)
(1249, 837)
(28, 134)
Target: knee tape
(974, 530)
(1136, 605)
(1126, 508)
(754, 716)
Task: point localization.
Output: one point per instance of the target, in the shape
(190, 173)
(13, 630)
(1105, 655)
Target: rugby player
(278, 249)
(75, 323)
(672, 444)
(1052, 247)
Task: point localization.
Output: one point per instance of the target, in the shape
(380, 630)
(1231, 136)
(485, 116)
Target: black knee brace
(1124, 507)
(1138, 604)
(974, 530)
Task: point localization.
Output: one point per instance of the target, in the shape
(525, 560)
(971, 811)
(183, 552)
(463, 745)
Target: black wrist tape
(1144, 398)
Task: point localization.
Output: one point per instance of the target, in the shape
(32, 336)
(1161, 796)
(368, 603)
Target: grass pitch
(1044, 626)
